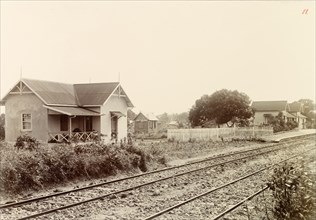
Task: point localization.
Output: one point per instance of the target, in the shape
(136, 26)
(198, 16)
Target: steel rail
(240, 203)
(220, 187)
(138, 186)
(131, 177)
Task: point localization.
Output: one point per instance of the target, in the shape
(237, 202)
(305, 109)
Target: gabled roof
(298, 115)
(288, 115)
(131, 115)
(62, 94)
(94, 94)
(270, 105)
(52, 93)
(296, 107)
(149, 116)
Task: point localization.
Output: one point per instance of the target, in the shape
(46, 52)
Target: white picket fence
(218, 133)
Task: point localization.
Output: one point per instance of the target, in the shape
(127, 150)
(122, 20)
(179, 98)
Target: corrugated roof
(295, 107)
(72, 111)
(150, 116)
(269, 105)
(288, 115)
(301, 115)
(94, 94)
(55, 93)
(52, 92)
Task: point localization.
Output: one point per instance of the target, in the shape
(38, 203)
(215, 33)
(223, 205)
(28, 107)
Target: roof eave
(66, 113)
(90, 106)
(64, 105)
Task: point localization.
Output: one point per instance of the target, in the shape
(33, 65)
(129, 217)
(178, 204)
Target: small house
(173, 125)
(145, 123)
(56, 112)
(264, 110)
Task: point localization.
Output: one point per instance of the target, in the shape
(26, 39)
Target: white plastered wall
(114, 103)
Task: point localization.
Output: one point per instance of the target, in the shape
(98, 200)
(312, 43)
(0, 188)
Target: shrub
(171, 139)
(163, 136)
(26, 169)
(141, 153)
(293, 193)
(278, 123)
(291, 125)
(26, 142)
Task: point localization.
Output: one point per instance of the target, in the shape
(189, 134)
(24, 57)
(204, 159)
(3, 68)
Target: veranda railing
(75, 136)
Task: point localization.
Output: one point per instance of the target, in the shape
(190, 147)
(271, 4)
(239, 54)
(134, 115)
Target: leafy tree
(164, 119)
(198, 113)
(2, 131)
(308, 106)
(223, 106)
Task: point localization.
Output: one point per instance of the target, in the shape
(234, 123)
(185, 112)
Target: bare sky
(168, 54)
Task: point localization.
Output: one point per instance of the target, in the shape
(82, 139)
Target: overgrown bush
(293, 193)
(26, 142)
(291, 125)
(278, 123)
(22, 169)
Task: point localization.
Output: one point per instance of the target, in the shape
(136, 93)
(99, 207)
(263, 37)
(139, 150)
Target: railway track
(208, 192)
(180, 171)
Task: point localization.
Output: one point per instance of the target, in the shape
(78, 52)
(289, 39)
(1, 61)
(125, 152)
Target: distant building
(264, 110)
(296, 109)
(52, 111)
(145, 123)
(173, 125)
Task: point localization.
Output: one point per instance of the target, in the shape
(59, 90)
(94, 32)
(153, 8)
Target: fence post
(253, 131)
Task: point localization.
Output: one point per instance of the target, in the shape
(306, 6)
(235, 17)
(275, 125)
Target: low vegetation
(36, 167)
(278, 123)
(293, 193)
(30, 165)
(182, 150)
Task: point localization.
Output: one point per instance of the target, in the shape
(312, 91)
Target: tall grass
(183, 150)
(22, 169)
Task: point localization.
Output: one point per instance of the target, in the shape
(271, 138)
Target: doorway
(114, 120)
